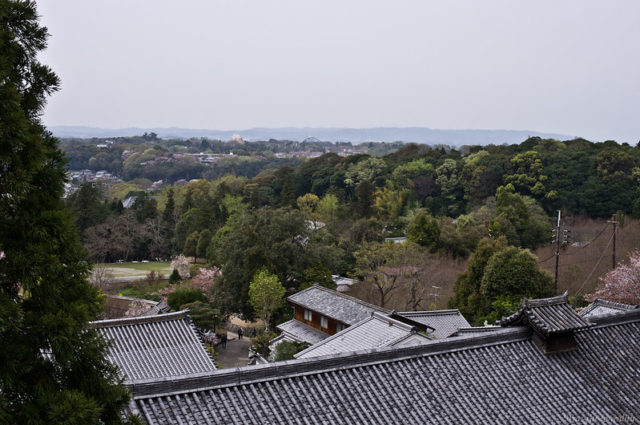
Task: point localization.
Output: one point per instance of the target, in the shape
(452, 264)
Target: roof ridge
(341, 295)
(547, 316)
(597, 302)
(430, 312)
(318, 365)
(387, 318)
(299, 323)
(539, 302)
(321, 364)
(177, 315)
(469, 329)
(624, 317)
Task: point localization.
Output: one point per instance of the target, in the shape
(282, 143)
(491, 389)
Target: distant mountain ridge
(353, 135)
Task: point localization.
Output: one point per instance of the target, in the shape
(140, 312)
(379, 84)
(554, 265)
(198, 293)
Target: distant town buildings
(76, 178)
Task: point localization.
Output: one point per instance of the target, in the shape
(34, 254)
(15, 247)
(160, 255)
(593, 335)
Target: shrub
(182, 296)
(204, 316)
(174, 277)
(286, 349)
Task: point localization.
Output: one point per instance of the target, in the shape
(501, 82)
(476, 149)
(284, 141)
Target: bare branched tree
(102, 277)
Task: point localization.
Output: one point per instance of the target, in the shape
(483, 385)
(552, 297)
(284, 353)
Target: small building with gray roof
(600, 307)
(376, 331)
(444, 322)
(326, 311)
(155, 347)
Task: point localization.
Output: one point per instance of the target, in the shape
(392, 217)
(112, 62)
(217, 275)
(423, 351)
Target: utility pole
(614, 222)
(557, 251)
(435, 296)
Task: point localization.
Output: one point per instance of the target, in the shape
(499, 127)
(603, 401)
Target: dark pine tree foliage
(52, 365)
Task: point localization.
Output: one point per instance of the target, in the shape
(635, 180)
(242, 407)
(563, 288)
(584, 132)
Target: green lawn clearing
(135, 271)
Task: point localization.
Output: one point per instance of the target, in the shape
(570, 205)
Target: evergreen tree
(288, 194)
(204, 239)
(497, 278)
(424, 230)
(169, 210)
(188, 200)
(191, 245)
(85, 204)
(168, 219)
(467, 296)
(52, 365)
(364, 193)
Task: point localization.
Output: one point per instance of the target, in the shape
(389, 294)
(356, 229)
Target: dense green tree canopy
(424, 231)
(52, 365)
(178, 298)
(204, 316)
(279, 240)
(498, 277)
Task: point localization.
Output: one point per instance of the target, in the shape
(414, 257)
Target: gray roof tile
(491, 378)
(548, 316)
(444, 322)
(301, 332)
(155, 346)
(334, 304)
(478, 330)
(374, 332)
(601, 307)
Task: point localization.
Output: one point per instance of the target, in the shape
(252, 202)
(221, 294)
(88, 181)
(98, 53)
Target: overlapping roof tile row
(374, 332)
(147, 347)
(340, 307)
(548, 316)
(600, 307)
(302, 332)
(488, 378)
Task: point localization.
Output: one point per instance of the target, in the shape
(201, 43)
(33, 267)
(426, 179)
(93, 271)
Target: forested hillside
(330, 215)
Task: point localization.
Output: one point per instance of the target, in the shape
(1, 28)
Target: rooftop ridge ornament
(552, 320)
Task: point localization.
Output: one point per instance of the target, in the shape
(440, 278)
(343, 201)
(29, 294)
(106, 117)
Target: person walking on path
(240, 333)
(224, 340)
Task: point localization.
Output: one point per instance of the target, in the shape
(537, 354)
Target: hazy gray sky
(569, 67)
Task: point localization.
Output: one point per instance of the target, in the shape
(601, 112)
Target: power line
(592, 240)
(596, 266)
(577, 248)
(547, 259)
(588, 243)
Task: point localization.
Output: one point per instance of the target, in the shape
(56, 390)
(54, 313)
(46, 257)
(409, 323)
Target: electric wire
(595, 266)
(577, 248)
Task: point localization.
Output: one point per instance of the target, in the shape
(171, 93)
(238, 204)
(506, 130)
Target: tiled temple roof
(601, 307)
(160, 346)
(490, 378)
(548, 316)
(474, 330)
(298, 331)
(334, 304)
(444, 322)
(374, 332)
